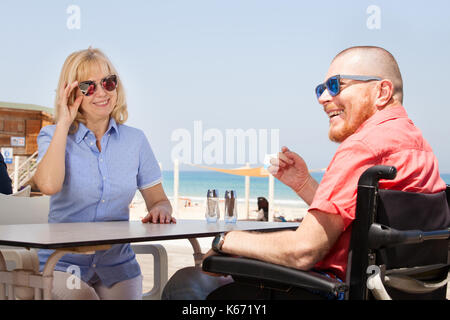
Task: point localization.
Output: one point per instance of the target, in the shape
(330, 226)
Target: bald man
(362, 97)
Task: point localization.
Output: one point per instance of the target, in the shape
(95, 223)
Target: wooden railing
(23, 172)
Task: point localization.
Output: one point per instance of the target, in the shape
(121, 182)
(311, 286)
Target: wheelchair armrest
(240, 268)
(381, 236)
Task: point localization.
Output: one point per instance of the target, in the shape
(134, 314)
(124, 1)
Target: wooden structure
(19, 121)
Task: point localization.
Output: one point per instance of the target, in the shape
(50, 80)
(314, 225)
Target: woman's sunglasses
(108, 83)
(333, 83)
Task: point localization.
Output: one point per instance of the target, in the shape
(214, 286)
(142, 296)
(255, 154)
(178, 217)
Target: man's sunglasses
(333, 83)
(108, 83)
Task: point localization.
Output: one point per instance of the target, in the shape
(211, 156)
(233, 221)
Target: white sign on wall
(18, 141)
(7, 154)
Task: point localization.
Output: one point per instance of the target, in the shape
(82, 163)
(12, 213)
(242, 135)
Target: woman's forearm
(50, 173)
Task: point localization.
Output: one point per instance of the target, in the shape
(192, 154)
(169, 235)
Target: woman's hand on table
(159, 208)
(159, 214)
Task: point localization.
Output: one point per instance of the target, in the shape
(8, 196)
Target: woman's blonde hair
(77, 67)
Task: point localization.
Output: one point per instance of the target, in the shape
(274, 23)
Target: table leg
(198, 255)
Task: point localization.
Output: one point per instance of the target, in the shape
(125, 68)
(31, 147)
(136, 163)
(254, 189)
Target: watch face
(216, 243)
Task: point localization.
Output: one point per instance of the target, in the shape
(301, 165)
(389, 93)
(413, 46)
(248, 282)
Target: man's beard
(350, 125)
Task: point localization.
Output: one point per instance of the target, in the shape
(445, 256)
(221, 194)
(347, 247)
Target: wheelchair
(399, 249)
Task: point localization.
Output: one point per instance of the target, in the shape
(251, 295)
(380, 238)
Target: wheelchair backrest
(399, 210)
(413, 211)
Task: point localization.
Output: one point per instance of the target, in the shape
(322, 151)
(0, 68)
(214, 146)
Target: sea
(195, 184)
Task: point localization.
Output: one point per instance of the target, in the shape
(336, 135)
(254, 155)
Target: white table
(88, 237)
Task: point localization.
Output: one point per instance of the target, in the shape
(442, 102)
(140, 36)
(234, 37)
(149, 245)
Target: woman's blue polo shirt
(99, 186)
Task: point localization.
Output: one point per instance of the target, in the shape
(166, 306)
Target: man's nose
(325, 97)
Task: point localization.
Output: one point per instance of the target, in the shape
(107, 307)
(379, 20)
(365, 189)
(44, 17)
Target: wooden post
(247, 194)
(16, 174)
(271, 197)
(176, 181)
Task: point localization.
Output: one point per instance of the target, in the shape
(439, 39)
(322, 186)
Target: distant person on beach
(92, 164)
(5, 180)
(362, 96)
(263, 209)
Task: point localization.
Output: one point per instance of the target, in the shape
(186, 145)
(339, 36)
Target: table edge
(128, 240)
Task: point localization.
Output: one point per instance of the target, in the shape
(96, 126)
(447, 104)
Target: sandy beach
(195, 209)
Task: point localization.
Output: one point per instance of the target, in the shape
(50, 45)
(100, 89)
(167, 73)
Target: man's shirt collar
(391, 113)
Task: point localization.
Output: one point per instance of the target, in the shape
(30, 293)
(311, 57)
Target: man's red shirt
(390, 138)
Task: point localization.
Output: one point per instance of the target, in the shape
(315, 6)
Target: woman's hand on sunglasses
(68, 113)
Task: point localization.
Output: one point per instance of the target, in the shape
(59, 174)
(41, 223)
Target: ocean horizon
(195, 184)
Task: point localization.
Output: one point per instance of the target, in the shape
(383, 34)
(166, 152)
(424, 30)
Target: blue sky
(230, 64)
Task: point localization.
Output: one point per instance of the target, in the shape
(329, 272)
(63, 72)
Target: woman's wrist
(63, 126)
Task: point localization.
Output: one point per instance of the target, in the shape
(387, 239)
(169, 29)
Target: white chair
(22, 210)
(25, 192)
(34, 210)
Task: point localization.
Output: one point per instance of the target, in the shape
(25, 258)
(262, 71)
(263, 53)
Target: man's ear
(384, 93)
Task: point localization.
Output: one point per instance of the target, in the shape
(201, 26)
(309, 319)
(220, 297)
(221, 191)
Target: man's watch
(217, 242)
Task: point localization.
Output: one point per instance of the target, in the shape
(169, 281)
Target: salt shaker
(212, 206)
(230, 206)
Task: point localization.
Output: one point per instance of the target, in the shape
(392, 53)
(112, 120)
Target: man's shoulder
(398, 133)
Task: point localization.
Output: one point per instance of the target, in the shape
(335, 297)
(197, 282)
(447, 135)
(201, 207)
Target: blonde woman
(83, 167)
